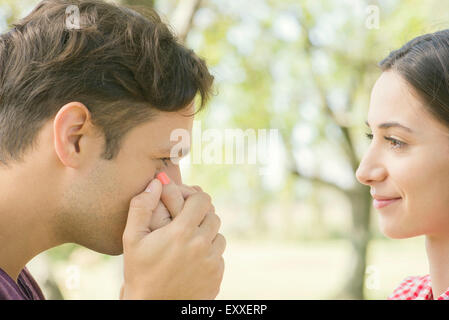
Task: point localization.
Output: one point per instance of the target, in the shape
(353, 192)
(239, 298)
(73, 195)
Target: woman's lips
(381, 203)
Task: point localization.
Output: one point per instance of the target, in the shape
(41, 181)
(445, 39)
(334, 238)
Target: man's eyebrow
(387, 125)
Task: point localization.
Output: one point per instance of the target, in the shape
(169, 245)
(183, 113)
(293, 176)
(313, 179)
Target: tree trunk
(182, 17)
(361, 206)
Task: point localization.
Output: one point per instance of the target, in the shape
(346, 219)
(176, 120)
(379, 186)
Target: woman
(407, 163)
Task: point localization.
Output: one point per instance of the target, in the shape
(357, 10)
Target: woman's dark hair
(121, 63)
(424, 63)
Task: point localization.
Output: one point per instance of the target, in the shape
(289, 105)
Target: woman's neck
(438, 255)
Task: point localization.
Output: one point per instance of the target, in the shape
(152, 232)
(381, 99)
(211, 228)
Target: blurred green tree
(305, 68)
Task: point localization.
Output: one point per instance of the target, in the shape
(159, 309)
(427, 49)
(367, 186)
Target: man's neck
(21, 242)
(25, 223)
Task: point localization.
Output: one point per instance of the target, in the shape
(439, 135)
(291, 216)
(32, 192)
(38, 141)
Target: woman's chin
(396, 231)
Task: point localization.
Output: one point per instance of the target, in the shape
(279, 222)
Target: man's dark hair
(122, 64)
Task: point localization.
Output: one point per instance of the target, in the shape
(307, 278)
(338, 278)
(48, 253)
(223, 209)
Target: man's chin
(113, 253)
(112, 249)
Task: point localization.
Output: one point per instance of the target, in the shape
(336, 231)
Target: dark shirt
(26, 287)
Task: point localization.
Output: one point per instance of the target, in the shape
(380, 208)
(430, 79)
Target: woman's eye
(395, 143)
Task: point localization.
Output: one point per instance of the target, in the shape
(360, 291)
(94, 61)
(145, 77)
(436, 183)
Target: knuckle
(138, 202)
(135, 202)
(217, 219)
(166, 220)
(220, 238)
(159, 222)
(220, 267)
(178, 232)
(222, 263)
(161, 212)
(200, 244)
(220, 245)
(170, 196)
(190, 189)
(204, 197)
(201, 198)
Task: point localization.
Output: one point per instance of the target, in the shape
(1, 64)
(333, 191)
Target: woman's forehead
(394, 100)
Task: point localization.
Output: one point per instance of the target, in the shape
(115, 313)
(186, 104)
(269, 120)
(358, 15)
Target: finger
(141, 210)
(171, 195)
(187, 190)
(161, 217)
(197, 188)
(210, 226)
(218, 245)
(195, 208)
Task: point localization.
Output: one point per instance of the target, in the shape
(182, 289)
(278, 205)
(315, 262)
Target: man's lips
(381, 202)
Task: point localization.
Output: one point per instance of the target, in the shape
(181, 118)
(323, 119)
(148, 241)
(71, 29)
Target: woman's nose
(370, 171)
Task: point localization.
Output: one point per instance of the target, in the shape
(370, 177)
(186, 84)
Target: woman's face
(407, 163)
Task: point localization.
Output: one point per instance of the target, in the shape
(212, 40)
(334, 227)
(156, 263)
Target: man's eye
(165, 161)
(369, 135)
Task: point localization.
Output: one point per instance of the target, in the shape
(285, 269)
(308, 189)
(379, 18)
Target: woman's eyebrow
(387, 125)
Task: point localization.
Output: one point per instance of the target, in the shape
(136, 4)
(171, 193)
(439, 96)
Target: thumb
(171, 195)
(141, 210)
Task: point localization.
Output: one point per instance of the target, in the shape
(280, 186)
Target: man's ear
(72, 130)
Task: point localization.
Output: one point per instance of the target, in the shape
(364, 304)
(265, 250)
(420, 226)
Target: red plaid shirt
(416, 288)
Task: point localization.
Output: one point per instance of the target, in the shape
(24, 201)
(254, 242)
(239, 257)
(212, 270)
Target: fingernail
(148, 189)
(163, 178)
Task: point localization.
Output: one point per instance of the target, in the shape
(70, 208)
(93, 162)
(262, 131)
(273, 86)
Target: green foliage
(277, 64)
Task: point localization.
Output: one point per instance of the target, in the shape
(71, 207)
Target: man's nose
(370, 170)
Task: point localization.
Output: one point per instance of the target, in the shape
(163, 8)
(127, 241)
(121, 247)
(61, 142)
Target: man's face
(96, 205)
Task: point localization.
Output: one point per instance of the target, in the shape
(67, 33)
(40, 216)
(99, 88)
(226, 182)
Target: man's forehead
(170, 130)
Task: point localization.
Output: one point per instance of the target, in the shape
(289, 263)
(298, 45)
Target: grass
(260, 270)
(315, 270)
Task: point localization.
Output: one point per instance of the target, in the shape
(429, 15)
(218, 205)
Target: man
(86, 114)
